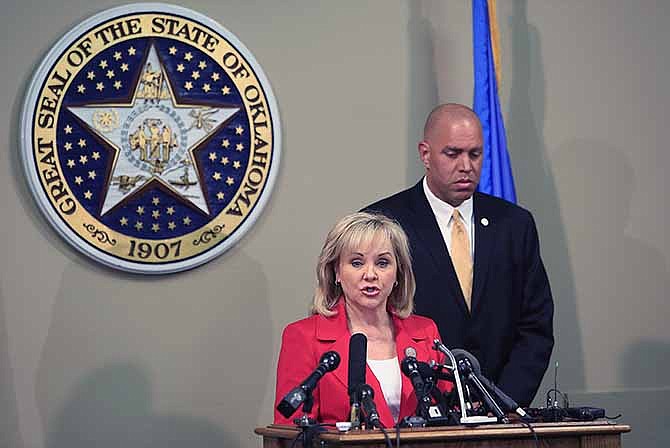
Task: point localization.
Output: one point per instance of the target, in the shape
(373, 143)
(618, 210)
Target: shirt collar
(445, 209)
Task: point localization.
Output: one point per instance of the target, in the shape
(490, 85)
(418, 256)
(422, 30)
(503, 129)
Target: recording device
(559, 414)
(367, 395)
(555, 413)
(585, 413)
(356, 375)
(303, 393)
(424, 381)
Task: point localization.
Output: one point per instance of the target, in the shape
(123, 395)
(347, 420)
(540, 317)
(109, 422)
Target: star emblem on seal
(153, 138)
(150, 138)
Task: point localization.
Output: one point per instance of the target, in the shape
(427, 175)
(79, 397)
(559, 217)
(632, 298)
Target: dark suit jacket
(510, 327)
(303, 343)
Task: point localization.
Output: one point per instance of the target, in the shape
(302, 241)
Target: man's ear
(424, 153)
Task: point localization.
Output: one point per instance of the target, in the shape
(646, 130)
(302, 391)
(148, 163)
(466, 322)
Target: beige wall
(85, 350)
(586, 108)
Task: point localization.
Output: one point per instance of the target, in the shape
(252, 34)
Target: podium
(596, 434)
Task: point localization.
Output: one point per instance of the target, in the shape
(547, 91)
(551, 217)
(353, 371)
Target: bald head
(451, 152)
(446, 114)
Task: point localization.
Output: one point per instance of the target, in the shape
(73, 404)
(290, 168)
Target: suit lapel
(333, 334)
(484, 226)
(428, 231)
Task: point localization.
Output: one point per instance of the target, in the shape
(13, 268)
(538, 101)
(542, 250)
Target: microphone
(509, 403)
(466, 367)
(423, 379)
(290, 403)
(430, 372)
(438, 371)
(367, 396)
(410, 368)
(358, 344)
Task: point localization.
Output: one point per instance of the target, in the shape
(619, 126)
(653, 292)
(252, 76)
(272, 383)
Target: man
(479, 273)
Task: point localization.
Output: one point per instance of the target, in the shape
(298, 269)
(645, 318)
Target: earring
(395, 284)
(337, 283)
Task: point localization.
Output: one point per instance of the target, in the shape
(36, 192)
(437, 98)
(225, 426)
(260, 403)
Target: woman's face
(368, 273)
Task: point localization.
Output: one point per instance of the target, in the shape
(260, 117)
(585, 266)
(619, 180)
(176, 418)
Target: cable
(305, 432)
(386, 436)
(530, 427)
(295, 439)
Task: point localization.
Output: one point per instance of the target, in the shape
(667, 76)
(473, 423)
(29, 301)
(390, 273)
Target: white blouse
(387, 372)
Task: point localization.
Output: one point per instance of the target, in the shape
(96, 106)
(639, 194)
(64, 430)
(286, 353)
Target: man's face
(452, 155)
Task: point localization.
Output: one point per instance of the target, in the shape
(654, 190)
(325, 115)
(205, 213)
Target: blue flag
(496, 177)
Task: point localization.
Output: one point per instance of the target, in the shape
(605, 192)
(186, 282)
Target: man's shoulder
(395, 204)
(488, 204)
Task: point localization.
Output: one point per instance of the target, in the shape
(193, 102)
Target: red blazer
(303, 343)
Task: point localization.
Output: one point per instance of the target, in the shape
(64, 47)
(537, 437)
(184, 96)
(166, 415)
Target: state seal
(150, 138)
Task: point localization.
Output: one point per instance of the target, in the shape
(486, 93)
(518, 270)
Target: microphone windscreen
(459, 353)
(358, 347)
(330, 360)
(426, 371)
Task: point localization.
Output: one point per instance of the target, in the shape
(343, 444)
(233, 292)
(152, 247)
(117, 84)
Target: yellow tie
(460, 255)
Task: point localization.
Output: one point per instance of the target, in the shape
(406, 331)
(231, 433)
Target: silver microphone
(410, 352)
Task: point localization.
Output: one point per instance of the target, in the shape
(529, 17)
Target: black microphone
(439, 371)
(358, 344)
(367, 396)
(290, 403)
(466, 369)
(410, 368)
(427, 372)
(423, 379)
(509, 403)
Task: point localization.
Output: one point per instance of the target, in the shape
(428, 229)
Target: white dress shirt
(443, 212)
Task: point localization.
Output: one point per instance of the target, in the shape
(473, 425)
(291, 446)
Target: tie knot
(456, 216)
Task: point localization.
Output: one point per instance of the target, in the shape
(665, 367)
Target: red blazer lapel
(333, 334)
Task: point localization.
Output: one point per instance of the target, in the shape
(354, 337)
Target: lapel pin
(485, 222)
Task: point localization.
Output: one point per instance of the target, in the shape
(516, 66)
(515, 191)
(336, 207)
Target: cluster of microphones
(473, 399)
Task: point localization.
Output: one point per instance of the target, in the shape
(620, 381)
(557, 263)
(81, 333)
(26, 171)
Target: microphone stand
(355, 415)
(307, 424)
(466, 367)
(465, 418)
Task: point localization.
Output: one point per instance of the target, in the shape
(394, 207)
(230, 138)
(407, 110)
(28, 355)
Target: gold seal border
(230, 60)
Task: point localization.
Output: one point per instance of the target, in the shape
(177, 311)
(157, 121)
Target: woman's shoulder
(420, 325)
(318, 326)
(308, 326)
(302, 324)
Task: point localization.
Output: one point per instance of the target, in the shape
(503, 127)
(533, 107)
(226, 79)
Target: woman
(365, 285)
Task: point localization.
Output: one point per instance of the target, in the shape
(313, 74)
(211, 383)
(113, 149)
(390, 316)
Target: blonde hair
(350, 232)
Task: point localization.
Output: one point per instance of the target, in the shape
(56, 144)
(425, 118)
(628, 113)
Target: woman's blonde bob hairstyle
(350, 233)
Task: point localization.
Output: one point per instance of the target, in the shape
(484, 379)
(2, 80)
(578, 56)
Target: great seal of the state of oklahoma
(150, 138)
